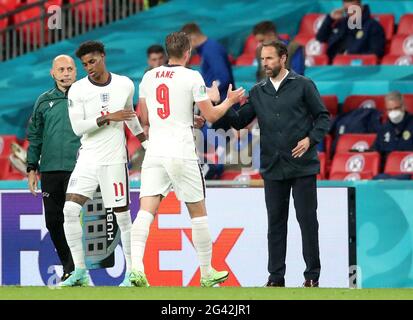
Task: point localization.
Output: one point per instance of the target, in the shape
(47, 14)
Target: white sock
(139, 234)
(203, 244)
(125, 225)
(74, 232)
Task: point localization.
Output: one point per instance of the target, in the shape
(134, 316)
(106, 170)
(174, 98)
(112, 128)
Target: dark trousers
(54, 185)
(277, 197)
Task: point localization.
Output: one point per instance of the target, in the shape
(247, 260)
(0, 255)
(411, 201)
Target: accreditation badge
(406, 135)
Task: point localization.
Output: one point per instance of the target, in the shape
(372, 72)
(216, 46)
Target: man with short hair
(341, 39)
(156, 56)
(166, 96)
(51, 138)
(397, 133)
(292, 120)
(266, 31)
(99, 105)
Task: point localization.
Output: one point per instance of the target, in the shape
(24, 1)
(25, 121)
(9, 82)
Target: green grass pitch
(196, 293)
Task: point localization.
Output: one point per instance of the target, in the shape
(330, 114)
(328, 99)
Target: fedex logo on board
(27, 252)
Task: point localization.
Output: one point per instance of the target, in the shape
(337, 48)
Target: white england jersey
(88, 101)
(170, 93)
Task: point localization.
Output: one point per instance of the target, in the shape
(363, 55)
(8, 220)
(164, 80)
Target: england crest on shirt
(104, 98)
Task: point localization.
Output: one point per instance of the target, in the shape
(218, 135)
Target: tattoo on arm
(101, 121)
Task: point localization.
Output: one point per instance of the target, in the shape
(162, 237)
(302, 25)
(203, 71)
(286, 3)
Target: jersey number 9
(162, 95)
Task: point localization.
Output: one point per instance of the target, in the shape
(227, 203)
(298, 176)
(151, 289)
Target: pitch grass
(196, 293)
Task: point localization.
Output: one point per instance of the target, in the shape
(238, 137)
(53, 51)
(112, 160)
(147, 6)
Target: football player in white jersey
(99, 105)
(166, 96)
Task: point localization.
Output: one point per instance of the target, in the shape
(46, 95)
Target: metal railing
(48, 26)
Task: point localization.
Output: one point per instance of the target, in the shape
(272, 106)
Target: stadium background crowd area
(347, 83)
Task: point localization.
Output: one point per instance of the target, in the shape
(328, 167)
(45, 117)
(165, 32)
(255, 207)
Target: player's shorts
(113, 181)
(159, 175)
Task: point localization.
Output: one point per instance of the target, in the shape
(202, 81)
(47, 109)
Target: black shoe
(310, 284)
(280, 283)
(65, 276)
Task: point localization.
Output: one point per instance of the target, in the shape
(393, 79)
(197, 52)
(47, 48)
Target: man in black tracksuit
(292, 121)
(53, 144)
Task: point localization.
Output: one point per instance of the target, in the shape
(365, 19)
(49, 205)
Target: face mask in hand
(396, 116)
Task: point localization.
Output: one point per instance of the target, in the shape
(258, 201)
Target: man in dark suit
(292, 121)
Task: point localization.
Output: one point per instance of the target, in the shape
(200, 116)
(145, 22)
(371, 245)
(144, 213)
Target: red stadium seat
(321, 60)
(93, 11)
(10, 4)
(250, 46)
(355, 59)
(3, 22)
(387, 22)
(399, 163)
(31, 32)
(245, 60)
(331, 103)
(406, 24)
(355, 141)
(363, 162)
(408, 102)
(363, 101)
(5, 144)
(353, 176)
(328, 142)
(323, 161)
(310, 23)
(392, 59)
(402, 45)
(311, 45)
(4, 167)
(195, 60)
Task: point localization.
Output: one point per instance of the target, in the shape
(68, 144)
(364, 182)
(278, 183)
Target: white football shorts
(113, 181)
(160, 174)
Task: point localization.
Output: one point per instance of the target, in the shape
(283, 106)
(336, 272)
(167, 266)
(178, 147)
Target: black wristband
(31, 167)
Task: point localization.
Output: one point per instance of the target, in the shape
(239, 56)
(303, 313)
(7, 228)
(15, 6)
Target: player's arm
(213, 113)
(133, 123)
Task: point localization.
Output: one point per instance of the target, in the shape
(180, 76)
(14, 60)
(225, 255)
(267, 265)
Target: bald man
(51, 138)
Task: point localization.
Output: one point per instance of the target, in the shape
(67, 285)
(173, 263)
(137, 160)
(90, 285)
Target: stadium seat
(387, 22)
(321, 60)
(93, 11)
(245, 60)
(3, 22)
(363, 101)
(250, 45)
(399, 163)
(355, 141)
(4, 167)
(408, 102)
(402, 45)
(406, 24)
(353, 176)
(10, 4)
(328, 142)
(195, 60)
(32, 31)
(323, 172)
(393, 59)
(310, 23)
(331, 103)
(311, 45)
(5, 144)
(348, 162)
(355, 60)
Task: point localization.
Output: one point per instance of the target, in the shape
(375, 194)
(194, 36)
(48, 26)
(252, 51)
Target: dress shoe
(271, 283)
(310, 284)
